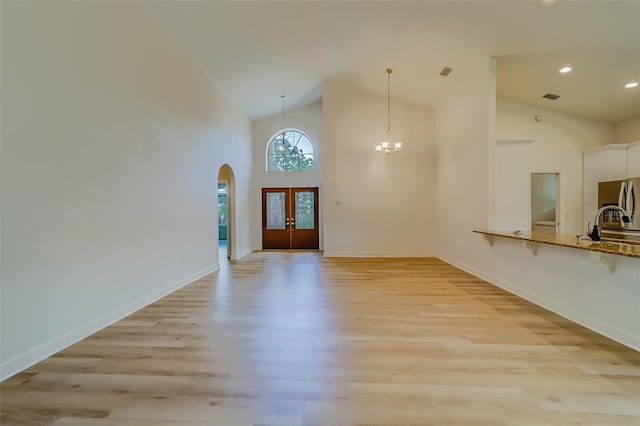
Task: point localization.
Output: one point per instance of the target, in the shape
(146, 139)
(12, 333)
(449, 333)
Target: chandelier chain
(283, 96)
(389, 71)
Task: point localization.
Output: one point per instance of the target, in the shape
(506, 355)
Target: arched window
(290, 150)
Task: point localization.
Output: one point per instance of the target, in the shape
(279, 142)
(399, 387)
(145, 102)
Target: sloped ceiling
(258, 51)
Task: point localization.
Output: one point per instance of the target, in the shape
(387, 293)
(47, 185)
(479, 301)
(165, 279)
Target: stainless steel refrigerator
(625, 194)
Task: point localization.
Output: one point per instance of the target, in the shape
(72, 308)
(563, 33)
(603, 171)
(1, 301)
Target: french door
(290, 218)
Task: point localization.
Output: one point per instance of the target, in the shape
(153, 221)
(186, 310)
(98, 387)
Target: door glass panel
(275, 210)
(305, 210)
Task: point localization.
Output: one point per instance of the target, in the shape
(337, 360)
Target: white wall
(464, 125)
(627, 131)
(559, 141)
(512, 183)
(111, 144)
(308, 119)
(376, 205)
(561, 279)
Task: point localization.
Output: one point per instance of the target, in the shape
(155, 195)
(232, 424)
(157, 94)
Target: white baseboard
(33, 356)
(375, 254)
(241, 254)
(591, 323)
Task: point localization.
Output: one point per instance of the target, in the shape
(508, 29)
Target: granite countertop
(569, 240)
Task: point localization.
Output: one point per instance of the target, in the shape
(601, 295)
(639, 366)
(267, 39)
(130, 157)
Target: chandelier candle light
(387, 146)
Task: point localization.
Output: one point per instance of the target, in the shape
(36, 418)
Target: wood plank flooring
(292, 338)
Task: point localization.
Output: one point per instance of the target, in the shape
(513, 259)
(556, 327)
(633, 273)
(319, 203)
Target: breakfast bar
(609, 246)
(602, 251)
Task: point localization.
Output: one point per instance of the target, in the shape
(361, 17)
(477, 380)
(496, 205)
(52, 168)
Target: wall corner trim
(242, 254)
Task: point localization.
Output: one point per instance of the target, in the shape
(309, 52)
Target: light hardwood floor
(293, 338)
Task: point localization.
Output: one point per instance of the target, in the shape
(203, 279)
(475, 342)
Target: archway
(226, 209)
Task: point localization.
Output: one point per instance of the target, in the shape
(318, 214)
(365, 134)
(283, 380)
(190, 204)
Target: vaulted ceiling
(260, 50)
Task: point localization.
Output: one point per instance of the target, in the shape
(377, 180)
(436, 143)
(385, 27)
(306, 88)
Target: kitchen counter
(569, 240)
(595, 284)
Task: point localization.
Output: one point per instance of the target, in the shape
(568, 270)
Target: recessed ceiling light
(631, 84)
(565, 69)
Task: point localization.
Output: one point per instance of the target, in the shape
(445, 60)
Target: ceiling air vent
(445, 71)
(551, 96)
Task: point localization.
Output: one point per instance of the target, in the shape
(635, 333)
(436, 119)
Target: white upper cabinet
(616, 163)
(601, 166)
(633, 160)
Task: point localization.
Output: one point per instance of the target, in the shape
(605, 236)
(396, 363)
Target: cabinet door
(633, 160)
(616, 164)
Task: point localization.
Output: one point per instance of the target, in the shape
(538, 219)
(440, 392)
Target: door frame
(560, 223)
(290, 237)
(226, 175)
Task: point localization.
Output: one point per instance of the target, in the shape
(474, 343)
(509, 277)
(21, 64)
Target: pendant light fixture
(387, 146)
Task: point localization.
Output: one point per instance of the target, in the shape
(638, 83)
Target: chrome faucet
(595, 231)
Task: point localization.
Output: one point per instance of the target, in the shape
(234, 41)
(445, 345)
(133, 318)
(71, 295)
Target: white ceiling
(260, 50)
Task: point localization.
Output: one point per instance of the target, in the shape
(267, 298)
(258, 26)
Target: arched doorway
(226, 209)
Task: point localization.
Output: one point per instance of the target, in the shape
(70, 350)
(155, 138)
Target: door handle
(622, 199)
(621, 195)
(630, 206)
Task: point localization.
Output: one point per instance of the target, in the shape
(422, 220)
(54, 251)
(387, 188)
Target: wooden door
(304, 218)
(276, 214)
(290, 218)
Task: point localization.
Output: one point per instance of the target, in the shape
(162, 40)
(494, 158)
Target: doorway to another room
(544, 202)
(222, 219)
(226, 185)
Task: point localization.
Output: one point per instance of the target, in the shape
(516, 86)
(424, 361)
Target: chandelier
(387, 147)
